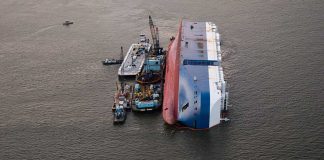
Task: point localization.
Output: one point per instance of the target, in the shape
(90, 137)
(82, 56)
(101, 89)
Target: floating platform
(134, 59)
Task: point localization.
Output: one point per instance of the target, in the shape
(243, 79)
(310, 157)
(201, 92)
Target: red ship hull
(171, 85)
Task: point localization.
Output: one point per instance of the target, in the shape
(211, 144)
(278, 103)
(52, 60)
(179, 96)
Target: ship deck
(134, 60)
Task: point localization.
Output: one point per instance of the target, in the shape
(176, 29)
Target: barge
(135, 57)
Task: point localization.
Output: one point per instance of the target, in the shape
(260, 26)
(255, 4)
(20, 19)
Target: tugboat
(123, 96)
(109, 61)
(122, 102)
(120, 114)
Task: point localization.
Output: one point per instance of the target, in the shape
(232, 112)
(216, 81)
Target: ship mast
(121, 53)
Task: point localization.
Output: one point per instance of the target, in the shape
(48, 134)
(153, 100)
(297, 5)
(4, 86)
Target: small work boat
(121, 103)
(120, 114)
(111, 61)
(123, 96)
(66, 23)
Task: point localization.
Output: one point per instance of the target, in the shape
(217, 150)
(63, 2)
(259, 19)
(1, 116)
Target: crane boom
(157, 38)
(154, 33)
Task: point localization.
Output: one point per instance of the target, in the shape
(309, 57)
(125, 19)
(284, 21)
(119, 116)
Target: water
(56, 97)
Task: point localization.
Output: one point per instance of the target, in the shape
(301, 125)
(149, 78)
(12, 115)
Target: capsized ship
(195, 90)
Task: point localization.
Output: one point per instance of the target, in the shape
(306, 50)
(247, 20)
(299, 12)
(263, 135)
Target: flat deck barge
(134, 59)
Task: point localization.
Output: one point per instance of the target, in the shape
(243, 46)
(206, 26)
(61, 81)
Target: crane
(155, 35)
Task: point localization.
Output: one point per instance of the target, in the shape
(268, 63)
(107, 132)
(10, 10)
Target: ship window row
(200, 62)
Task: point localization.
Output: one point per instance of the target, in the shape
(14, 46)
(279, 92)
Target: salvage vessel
(149, 84)
(195, 93)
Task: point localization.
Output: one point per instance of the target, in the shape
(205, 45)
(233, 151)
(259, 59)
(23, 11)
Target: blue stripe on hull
(203, 120)
(195, 115)
(186, 97)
